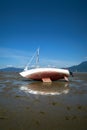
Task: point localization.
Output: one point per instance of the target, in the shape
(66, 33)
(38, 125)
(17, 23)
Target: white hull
(46, 74)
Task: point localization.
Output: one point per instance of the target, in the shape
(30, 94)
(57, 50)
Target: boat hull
(45, 73)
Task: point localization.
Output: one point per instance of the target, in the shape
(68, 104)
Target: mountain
(82, 67)
(12, 69)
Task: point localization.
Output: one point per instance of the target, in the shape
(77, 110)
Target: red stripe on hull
(51, 75)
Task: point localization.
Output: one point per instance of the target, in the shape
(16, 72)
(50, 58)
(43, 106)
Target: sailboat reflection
(39, 88)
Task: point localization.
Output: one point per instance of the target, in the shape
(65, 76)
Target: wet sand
(29, 105)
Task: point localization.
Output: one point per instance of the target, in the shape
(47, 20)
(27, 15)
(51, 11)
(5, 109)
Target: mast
(37, 58)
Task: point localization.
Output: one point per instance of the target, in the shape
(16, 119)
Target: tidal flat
(31, 105)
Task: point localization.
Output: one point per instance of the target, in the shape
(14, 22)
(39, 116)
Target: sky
(57, 27)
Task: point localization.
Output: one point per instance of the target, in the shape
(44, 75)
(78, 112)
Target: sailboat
(45, 74)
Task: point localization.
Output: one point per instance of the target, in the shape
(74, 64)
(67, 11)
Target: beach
(31, 105)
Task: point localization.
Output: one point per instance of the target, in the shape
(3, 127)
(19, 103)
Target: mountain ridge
(82, 67)
(12, 69)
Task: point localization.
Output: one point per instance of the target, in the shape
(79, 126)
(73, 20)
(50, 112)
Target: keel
(46, 80)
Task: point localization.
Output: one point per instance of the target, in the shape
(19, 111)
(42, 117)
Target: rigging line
(37, 52)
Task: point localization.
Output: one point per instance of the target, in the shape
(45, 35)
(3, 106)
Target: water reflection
(39, 88)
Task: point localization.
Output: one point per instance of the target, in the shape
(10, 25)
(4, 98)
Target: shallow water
(30, 105)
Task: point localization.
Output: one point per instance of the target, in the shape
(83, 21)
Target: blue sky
(58, 27)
